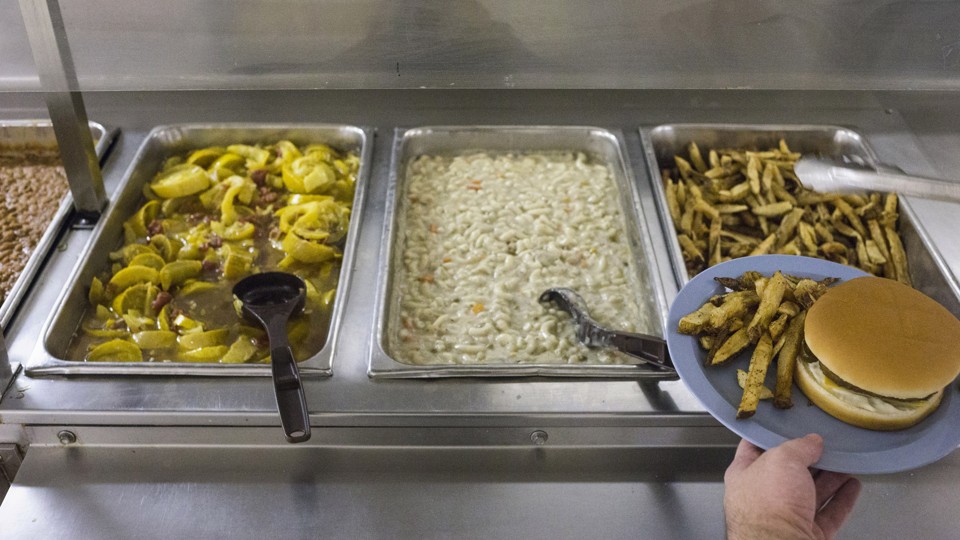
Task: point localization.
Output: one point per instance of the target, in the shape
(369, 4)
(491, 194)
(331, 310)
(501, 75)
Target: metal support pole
(51, 53)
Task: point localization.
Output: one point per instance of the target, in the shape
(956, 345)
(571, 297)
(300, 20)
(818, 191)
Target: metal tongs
(849, 174)
(650, 349)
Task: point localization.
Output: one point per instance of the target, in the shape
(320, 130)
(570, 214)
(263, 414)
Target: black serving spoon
(271, 298)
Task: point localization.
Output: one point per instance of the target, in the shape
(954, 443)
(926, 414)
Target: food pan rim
(382, 365)
(42, 362)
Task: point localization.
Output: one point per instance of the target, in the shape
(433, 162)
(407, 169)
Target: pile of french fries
(736, 203)
(767, 312)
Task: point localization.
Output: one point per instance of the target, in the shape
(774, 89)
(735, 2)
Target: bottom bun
(809, 377)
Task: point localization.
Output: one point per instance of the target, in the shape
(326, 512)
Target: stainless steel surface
(500, 44)
(40, 132)
(51, 52)
(11, 458)
(6, 368)
(929, 271)
(604, 144)
(626, 461)
(822, 174)
(454, 484)
(160, 143)
(448, 483)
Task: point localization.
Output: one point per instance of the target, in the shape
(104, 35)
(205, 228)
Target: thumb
(805, 450)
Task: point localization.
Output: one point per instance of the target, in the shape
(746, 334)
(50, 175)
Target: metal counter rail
(450, 483)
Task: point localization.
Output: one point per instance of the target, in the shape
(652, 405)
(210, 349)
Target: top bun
(884, 337)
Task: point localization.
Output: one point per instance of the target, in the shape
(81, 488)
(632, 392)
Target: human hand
(774, 494)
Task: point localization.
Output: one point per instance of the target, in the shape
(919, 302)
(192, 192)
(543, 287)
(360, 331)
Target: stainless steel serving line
(138, 456)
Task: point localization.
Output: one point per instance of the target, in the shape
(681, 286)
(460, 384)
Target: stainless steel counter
(396, 457)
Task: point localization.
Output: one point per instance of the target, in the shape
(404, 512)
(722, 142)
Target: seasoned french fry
(789, 308)
(714, 241)
(851, 216)
(736, 193)
(690, 250)
(878, 237)
(863, 257)
(681, 194)
(808, 237)
(790, 248)
(753, 174)
(693, 323)
(781, 192)
(854, 199)
(767, 179)
(759, 362)
(765, 246)
(737, 342)
(890, 204)
(769, 302)
(683, 166)
(696, 158)
(787, 360)
(765, 393)
(811, 198)
(772, 210)
(874, 253)
(670, 191)
(778, 325)
(716, 340)
(808, 291)
(731, 208)
(788, 226)
(836, 219)
(704, 207)
(743, 283)
(823, 233)
(898, 255)
(733, 308)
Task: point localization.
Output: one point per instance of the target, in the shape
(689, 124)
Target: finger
(805, 450)
(827, 483)
(746, 454)
(832, 516)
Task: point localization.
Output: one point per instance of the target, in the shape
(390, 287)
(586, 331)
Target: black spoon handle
(291, 403)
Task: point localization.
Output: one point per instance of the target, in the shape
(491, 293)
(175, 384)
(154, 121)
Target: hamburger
(878, 354)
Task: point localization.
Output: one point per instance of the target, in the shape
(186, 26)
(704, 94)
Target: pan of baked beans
(36, 202)
(479, 222)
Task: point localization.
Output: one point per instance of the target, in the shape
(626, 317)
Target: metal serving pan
(928, 270)
(162, 142)
(600, 143)
(20, 133)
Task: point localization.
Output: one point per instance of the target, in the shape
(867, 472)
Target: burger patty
(809, 357)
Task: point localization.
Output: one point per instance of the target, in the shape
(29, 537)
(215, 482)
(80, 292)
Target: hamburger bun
(860, 409)
(879, 353)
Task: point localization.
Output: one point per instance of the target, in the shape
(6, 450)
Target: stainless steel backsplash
(384, 44)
